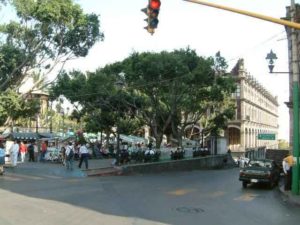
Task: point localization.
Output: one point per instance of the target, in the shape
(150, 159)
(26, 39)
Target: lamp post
(51, 115)
(36, 123)
(271, 57)
(62, 112)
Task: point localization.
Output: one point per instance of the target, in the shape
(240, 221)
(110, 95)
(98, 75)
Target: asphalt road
(208, 197)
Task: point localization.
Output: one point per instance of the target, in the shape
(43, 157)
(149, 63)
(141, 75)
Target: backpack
(71, 153)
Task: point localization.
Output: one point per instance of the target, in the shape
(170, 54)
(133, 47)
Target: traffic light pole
(247, 13)
(295, 72)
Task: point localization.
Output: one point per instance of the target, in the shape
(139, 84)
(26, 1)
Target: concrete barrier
(207, 162)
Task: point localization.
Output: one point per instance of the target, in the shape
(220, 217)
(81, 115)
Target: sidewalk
(104, 167)
(288, 196)
(100, 166)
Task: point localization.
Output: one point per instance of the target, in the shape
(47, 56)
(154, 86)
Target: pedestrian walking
(63, 154)
(43, 151)
(287, 165)
(84, 155)
(31, 152)
(36, 151)
(23, 151)
(2, 158)
(14, 151)
(69, 156)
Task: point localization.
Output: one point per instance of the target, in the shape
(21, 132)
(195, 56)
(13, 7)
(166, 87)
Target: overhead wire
(257, 45)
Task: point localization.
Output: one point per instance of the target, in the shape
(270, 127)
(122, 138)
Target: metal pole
(247, 13)
(51, 117)
(36, 123)
(295, 171)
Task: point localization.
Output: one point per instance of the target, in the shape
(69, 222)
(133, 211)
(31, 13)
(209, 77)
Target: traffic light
(152, 12)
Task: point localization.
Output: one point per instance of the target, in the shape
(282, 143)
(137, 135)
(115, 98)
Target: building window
(237, 93)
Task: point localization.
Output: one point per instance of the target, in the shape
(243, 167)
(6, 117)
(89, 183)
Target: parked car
(260, 171)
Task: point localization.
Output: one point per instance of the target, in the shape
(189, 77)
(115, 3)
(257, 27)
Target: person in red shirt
(23, 151)
(43, 150)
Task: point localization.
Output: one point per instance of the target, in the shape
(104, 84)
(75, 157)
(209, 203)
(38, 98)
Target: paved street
(198, 197)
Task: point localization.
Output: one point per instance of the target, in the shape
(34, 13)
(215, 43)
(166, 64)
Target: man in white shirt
(14, 151)
(287, 175)
(84, 156)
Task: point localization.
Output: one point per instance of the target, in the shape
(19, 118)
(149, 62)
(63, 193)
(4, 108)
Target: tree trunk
(158, 140)
(175, 132)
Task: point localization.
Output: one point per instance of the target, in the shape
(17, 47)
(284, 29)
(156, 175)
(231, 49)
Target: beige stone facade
(256, 113)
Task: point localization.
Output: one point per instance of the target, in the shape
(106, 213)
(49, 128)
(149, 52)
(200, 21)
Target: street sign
(266, 137)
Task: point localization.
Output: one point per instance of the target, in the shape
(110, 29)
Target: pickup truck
(260, 171)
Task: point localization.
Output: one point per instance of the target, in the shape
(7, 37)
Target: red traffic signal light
(154, 4)
(152, 12)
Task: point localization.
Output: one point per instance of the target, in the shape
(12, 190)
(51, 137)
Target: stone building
(256, 114)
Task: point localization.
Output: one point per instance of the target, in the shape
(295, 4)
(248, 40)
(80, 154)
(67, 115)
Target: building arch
(234, 138)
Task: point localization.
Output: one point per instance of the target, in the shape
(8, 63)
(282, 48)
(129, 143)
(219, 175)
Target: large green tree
(180, 88)
(13, 107)
(42, 37)
(168, 91)
(103, 99)
(45, 34)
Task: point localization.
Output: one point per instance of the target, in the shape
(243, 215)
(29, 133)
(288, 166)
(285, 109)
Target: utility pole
(295, 74)
(295, 71)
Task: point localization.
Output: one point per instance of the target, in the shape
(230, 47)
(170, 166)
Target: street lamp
(271, 57)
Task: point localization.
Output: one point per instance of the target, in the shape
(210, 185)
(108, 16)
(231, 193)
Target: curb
(107, 171)
(289, 197)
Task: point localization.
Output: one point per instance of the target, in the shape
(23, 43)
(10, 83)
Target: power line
(258, 45)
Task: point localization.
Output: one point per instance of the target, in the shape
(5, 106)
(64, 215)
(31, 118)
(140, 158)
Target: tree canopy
(42, 37)
(168, 91)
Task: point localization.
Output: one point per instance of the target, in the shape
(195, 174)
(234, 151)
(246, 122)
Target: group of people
(18, 149)
(68, 152)
(21, 148)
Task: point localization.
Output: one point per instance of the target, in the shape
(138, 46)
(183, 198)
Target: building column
(242, 139)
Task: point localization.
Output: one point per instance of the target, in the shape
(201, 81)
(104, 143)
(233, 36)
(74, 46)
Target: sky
(207, 30)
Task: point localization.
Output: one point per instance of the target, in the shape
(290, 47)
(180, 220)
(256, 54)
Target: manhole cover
(191, 210)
